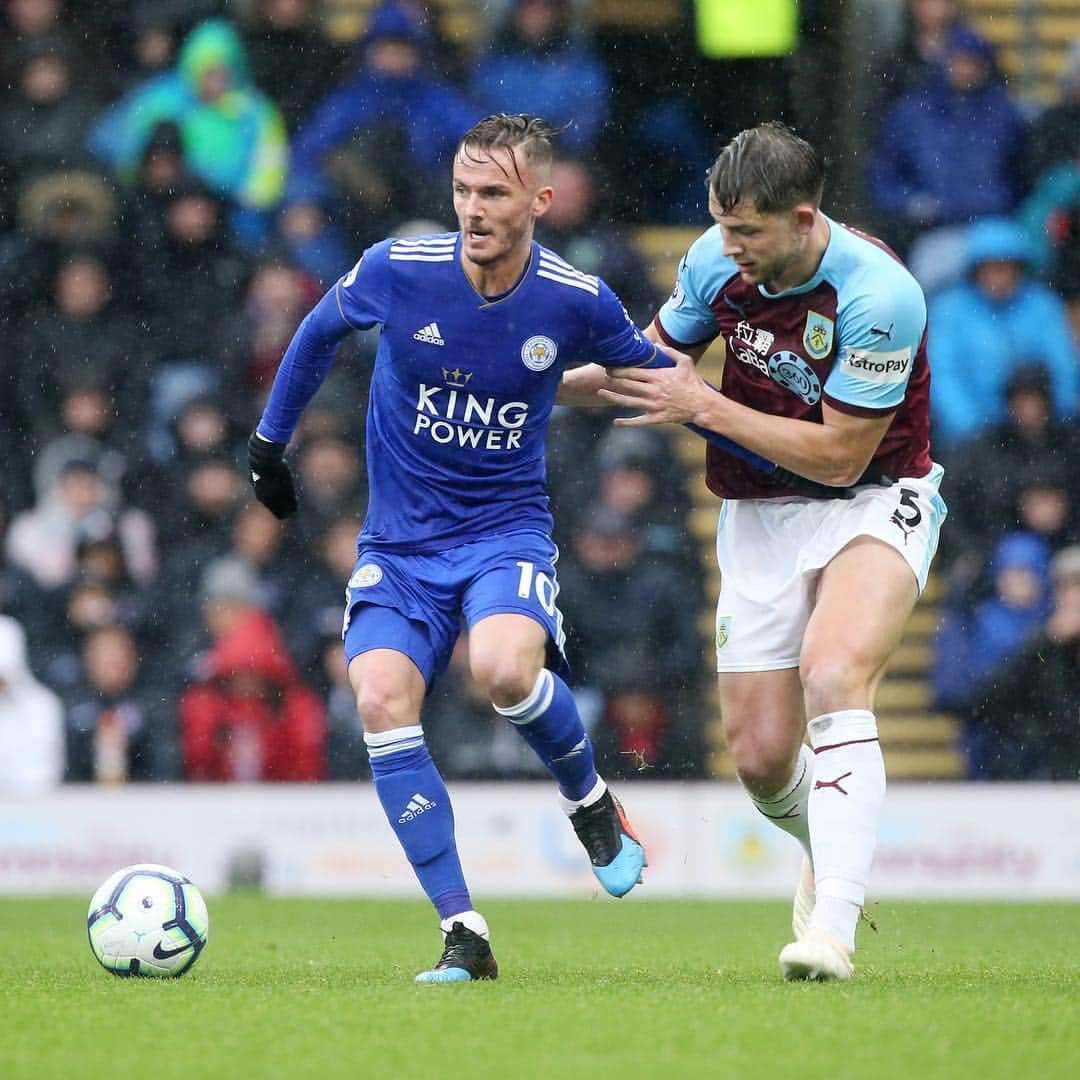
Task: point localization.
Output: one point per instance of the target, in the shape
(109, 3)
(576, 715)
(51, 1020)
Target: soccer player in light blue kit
(477, 328)
(826, 372)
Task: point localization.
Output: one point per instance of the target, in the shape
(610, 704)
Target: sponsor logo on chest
(751, 345)
(451, 416)
(792, 372)
(754, 346)
(880, 368)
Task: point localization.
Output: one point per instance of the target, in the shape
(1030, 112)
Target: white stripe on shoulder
(561, 267)
(546, 254)
(425, 241)
(577, 275)
(420, 256)
(587, 284)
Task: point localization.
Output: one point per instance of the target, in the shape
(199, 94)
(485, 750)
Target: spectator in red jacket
(249, 717)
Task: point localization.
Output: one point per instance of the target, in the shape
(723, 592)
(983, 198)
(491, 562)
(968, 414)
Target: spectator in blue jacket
(380, 144)
(986, 327)
(971, 643)
(1024, 714)
(949, 152)
(540, 64)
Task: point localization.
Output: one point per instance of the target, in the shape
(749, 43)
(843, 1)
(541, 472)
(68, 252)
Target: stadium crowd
(167, 218)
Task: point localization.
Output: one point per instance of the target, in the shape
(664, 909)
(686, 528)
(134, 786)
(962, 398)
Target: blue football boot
(615, 852)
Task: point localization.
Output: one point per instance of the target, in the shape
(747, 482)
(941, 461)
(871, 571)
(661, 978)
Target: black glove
(270, 476)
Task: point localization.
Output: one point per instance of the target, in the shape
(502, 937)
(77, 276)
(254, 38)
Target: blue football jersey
(464, 386)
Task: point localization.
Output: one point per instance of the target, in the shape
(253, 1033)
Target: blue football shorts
(415, 604)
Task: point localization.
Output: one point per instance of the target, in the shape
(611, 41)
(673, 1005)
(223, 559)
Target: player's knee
(833, 682)
(506, 681)
(382, 710)
(763, 768)
(763, 746)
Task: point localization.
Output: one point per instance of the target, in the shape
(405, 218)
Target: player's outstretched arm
(579, 387)
(835, 452)
(303, 368)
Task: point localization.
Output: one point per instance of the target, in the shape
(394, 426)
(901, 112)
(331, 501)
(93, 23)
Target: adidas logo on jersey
(417, 805)
(429, 334)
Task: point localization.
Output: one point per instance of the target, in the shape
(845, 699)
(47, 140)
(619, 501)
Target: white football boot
(805, 896)
(816, 956)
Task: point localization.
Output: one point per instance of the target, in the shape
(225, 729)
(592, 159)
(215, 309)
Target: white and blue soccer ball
(147, 920)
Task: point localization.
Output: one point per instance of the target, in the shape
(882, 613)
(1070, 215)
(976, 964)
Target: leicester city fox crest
(818, 335)
(365, 576)
(538, 353)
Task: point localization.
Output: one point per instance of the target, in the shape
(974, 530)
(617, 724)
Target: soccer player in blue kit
(477, 327)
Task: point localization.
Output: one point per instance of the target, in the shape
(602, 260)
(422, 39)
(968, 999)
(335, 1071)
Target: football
(147, 920)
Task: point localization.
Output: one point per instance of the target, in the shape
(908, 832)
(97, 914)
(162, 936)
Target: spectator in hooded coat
(950, 152)
(986, 327)
(233, 136)
(539, 63)
(248, 717)
(1026, 711)
(380, 143)
(970, 645)
(1050, 218)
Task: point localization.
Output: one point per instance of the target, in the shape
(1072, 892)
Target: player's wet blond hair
(769, 166)
(531, 137)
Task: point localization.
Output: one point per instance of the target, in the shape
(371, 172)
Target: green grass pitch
(641, 988)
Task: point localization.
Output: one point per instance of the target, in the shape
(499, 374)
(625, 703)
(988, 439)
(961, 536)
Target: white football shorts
(771, 551)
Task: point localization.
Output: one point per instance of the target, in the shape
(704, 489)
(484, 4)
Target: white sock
(838, 918)
(843, 812)
(787, 808)
(471, 920)
(570, 805)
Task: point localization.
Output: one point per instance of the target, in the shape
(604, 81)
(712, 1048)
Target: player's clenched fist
(270, 476)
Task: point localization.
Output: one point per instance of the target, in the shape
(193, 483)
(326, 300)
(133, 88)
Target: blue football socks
(548, 720)
(417, 805)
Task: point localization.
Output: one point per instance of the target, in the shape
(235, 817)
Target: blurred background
(180, 180)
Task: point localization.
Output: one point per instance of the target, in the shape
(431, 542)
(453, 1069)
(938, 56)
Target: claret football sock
(417, 805)
(548, 720)
(844, 808)
(786, 809)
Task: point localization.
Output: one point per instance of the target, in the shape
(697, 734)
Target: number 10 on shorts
(544, 586)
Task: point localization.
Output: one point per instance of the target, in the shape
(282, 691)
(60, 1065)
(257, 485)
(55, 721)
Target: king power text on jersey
(455, 418)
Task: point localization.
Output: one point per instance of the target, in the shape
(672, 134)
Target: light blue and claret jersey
(463, 385)
(853, 336)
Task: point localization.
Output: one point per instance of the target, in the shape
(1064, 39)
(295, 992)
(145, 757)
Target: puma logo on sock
(819, 784)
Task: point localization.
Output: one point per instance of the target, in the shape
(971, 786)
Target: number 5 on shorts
(908, 513)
